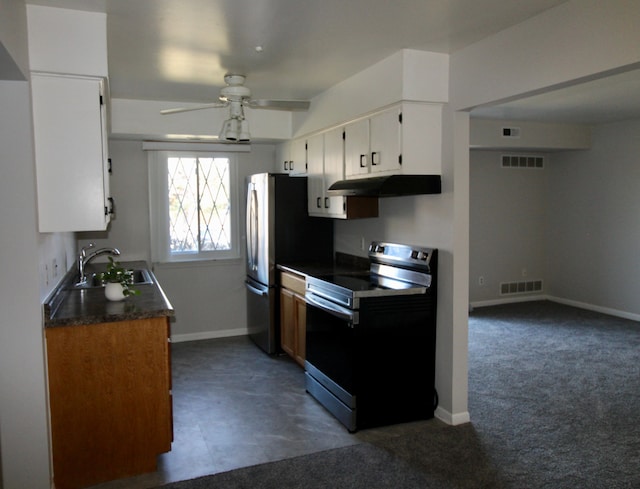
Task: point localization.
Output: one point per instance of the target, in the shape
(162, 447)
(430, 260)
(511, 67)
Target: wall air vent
(527, 287)
(522, 161)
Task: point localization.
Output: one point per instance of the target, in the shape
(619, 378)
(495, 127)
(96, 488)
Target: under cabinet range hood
(388, 186)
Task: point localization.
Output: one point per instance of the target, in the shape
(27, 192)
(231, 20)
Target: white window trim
(159, 209)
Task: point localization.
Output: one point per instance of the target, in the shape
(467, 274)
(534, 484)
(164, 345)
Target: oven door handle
(352, 317)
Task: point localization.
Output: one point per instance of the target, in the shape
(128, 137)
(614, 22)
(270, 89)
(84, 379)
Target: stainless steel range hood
(388, 186)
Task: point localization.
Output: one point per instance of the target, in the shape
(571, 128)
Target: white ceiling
(179, 50)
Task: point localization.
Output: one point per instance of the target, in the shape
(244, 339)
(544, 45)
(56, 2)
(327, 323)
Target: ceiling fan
(236, 96)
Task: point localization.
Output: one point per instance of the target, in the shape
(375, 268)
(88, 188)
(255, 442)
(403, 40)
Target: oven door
(331, 357)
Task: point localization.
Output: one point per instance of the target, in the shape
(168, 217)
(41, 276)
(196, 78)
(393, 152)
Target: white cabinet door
(315, 175)
(71, 153)
(385, 142)
(356, 148)
(298, 160)
(333, 171)
(283, 157)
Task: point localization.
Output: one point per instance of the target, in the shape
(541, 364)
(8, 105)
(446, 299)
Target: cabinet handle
(318, 204)
(326, 202)
(286, 166)
(375, 158)
(109, 170)
(291, 165)
(111, 208)
(363, 161)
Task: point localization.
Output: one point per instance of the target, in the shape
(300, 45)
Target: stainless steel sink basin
(140, 277)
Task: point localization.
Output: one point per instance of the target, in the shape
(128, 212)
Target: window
(194, 212)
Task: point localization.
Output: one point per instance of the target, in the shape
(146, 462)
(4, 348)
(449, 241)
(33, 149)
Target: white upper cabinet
(298, 157)
(72, 163)
(372, 145)
(325, 167)
(315, 175)
(334, 205)
(292, 157)
(406, 138)
(356, 148)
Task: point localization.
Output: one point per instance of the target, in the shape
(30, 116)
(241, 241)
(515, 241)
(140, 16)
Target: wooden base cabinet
(110, 399)
(293, 316)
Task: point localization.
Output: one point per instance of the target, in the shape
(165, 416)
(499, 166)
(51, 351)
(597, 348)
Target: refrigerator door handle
(252, 224)
(255, 290)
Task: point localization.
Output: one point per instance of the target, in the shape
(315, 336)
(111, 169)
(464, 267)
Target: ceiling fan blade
(278, 104)
(215, 105)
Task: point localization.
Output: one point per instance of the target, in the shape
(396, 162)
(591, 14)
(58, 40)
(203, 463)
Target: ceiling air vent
(522, 161)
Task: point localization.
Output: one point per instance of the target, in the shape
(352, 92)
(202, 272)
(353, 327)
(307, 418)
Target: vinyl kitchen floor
(234, 406)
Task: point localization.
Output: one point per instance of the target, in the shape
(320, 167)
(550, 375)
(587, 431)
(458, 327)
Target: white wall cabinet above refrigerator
(72, 166)
(403, 139)
(292, 157)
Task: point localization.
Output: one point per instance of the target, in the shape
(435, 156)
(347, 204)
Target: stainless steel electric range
(371, 335)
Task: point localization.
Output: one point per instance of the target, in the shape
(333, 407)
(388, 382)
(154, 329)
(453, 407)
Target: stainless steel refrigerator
(279, 230)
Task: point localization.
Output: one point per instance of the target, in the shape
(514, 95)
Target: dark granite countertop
(67, 306)
(343, 263)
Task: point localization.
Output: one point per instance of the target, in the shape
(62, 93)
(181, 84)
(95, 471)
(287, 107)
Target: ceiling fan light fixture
(235, 130)
(244, 136)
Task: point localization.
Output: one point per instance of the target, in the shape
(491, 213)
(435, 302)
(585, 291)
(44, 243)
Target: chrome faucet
(84, 259)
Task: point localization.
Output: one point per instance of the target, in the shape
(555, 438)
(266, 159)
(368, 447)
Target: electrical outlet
(46, 274)
(481, 280)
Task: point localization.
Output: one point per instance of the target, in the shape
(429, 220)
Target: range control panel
(401, 254)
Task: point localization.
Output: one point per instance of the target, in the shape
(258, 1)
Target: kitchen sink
(140, 277)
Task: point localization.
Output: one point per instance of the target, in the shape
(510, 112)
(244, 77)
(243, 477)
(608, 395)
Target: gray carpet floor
(554, 397)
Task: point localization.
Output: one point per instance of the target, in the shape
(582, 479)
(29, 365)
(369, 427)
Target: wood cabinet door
(110, 399)
(301, 330)
(287, 322)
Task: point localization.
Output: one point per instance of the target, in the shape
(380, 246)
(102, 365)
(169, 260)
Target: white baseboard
(507, 300)
(560, 300)
(452, 418)
(591, 307)
(208, 335)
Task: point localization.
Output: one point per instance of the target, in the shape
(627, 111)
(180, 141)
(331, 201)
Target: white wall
(575, 41)
(507, 214)
(208, 298)
(573, 224)
(14, 55)
(23, 406)
(593, 230)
